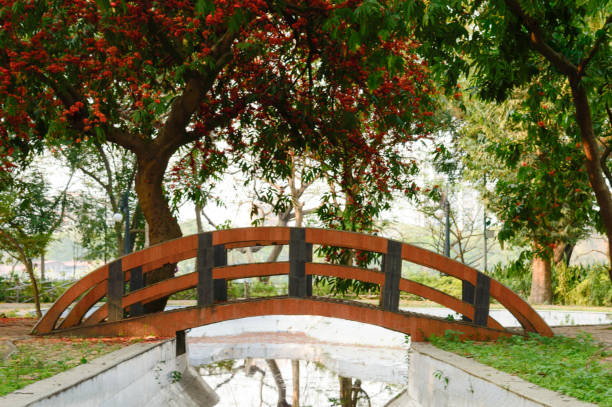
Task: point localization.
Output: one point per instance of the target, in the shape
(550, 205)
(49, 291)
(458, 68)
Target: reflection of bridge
(212, 273)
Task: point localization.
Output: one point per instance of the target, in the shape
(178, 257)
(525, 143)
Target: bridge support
(136, 282)
(300, 253)
(115, 291)
(478, 296)
(392, 267)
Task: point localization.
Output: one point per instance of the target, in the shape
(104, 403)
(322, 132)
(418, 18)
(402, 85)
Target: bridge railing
(212, 273)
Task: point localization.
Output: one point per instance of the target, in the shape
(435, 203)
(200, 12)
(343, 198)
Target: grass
(572, 366)
(38, 359)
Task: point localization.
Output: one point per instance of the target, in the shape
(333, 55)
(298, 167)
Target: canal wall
(151, 374)
(441, 379)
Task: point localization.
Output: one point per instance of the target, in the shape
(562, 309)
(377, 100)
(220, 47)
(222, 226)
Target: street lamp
(444, 210)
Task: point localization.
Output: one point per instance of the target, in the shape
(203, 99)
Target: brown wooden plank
(349, 240)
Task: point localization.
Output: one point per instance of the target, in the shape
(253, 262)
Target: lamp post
(118, 217)
(445, 211)
(126, 209)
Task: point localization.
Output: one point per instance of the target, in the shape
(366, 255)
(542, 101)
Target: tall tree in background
(29, 215)
(152, 77)
(550, 47)
(107, 174)
(535, 181)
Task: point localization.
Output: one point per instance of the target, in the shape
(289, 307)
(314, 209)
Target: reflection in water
(251, 382)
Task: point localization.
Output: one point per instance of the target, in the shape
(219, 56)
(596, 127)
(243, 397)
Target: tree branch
(536, 36)
(173, 133)
(585, 61)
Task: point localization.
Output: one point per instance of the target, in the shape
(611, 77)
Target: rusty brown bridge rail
(212, 273)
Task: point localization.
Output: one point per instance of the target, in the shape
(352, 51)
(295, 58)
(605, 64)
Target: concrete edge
(506, 381)
(60, 382)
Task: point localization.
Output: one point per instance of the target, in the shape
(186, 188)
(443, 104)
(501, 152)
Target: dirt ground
(15, 328)
(601, 333)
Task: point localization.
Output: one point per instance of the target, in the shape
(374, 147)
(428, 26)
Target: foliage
(108, 172)
(582, 285)
(573, 366)
(560, 54)
(446, 284)
(38, 359)
(217, 77)
(29, 215)
(535, 181)
(573, 285)
(14, 290)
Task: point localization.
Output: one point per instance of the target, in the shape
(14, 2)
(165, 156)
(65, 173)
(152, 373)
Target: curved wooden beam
(166, 324)
(444, 299)
(527, 316)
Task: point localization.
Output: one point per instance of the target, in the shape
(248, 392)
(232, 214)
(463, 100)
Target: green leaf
(104, 4)
(204, 6)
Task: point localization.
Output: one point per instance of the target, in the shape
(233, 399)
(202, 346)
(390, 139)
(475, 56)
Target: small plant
(438, 374)
(175, 376)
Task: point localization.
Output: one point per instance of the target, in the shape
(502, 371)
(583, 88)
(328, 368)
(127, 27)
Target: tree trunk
(346, 388)
(593, 159)
(280, 383)
(198, 214)
(541, 288)
(162, 225)
(42, 266)
(295, 364)
(30, 271)
(562, 253)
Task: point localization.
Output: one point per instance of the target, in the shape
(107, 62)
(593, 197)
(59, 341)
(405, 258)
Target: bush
(582, 285)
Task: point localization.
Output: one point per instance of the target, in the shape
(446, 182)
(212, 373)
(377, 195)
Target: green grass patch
(38, 359)
(572, 366)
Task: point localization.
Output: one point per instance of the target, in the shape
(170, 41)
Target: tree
(28, 217)
(547, 46)
(152, 77)
(108, 174)
(536, 185)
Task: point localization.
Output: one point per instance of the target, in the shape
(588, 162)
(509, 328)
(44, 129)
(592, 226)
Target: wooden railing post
(482, 299)
(299, 253)
(114, 291)
(220, 284)
(392, 267)
(204, 264)
(467, 295)
(136, 282)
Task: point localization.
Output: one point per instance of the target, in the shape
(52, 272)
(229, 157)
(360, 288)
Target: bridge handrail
(188, 247)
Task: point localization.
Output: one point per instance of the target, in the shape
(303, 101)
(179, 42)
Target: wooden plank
(137, 282)
(392, 267)
(297, 263)
(482, 299)
(219, 284)
(114, 292)
(204, 265)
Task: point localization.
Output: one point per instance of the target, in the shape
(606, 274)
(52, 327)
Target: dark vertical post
(114, 291)
(467, 295)
(392, 267)
(297, 263)
(181, 344)
(204, 265)
(482, 299)
(136, 283)
(220, 284)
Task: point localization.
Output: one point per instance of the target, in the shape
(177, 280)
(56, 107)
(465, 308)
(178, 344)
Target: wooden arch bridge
(122, 313)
